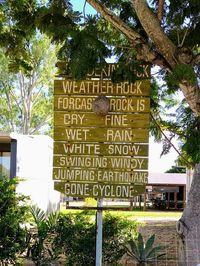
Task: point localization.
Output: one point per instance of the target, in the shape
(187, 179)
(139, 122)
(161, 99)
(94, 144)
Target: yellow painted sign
(100, 175)
(106, 71)
(102, 87)
(78, 148)
(117, 104)
(84, 161)
(99, 190)
(109, 68)
(101, 135)
(101, 156)
(83, 119)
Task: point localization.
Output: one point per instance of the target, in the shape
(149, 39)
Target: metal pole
(99, 233)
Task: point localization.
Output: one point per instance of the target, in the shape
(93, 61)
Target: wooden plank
(100, 162)
(112, 176)
(117, 104)
(82, 119)
(101, 135)
(101, 87)
(98, 190)
(106, 71)
(63, 147)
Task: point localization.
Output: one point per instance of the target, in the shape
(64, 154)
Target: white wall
(34, 166)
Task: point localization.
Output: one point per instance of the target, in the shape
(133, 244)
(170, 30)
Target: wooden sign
(74, 161)
(101, 87)
(101, 135)
(109, 68)
(127, 176)
(83, 119)
(78, 148)
(100, 153)
(99, 190)
(107, 71)
(117, 104)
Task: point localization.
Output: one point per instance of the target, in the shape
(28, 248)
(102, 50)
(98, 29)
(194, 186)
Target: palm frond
(38, 214)
(142, 252)
(52, 219)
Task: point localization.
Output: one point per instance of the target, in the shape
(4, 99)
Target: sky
(157, 164)
(78, 5)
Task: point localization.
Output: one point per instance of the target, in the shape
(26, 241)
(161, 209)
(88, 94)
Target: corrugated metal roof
(167, 178)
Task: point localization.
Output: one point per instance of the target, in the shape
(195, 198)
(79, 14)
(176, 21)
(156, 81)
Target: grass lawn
(149, 214)
(133, 214)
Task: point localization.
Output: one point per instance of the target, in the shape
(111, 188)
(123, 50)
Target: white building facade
(30, 159)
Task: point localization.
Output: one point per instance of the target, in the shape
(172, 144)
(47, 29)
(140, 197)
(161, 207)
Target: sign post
(101, 139)
(99, 232)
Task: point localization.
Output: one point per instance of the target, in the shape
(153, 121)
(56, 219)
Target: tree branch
(168, 140)
(144, 52)
(196, 59)
(183, 40)
(192, 96)
(152, 26)
(10, 110)
(135, 38)
(115, 21)
(41, 124)
(34, 101)
(160, 9)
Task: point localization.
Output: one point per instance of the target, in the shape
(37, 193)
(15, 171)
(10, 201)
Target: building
(30, 159)
(166, 190)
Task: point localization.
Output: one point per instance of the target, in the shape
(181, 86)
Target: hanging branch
(169, 141)
(84, 7)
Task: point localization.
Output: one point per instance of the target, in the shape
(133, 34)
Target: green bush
(115, 232)
(75, 238)
(76, 234)
(40, 237)
(13, 214)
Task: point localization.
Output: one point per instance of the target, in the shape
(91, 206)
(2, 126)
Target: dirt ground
(165, 235)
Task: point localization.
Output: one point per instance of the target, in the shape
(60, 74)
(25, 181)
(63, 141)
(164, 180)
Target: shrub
(115, 232)
(40, 237)
(142, 252)
(13, 214)
(76, 237)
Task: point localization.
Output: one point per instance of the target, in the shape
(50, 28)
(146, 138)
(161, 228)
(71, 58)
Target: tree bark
(192, 96)
(151, 25)
(188, 227)
(160, 9)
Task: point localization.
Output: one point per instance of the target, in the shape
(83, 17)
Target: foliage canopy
(161, 33)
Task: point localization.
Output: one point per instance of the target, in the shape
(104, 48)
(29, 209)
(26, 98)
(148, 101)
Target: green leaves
(40, 217)
(76, 238)
(126, 72)
(84, 51)
(192, 145)
(181, 73)
(13, 216)
(38, 248)
(38, 214)
(143, 252)
(35, 85)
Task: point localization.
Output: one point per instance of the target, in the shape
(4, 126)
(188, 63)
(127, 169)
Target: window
(5, 158)
(5, 163)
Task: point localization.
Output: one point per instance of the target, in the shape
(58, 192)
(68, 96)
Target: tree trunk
(188, 227)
